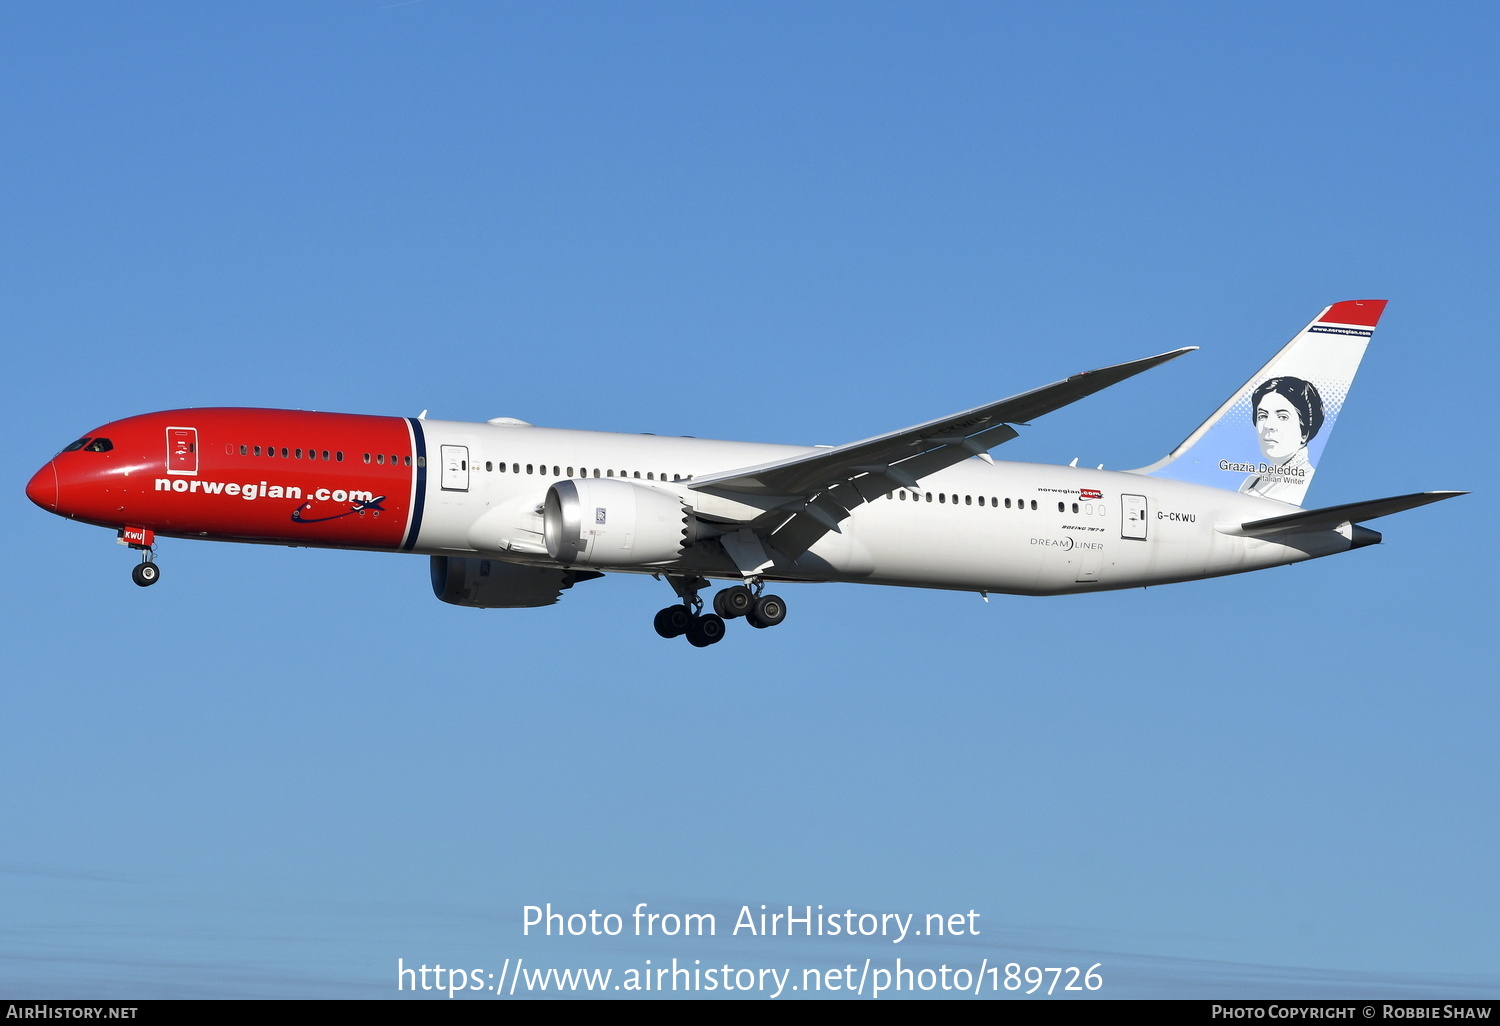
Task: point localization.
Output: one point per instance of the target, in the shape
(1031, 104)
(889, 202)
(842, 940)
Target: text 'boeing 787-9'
(513, 515)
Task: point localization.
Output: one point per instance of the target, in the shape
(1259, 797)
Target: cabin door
(455, 476)
(1133, 517)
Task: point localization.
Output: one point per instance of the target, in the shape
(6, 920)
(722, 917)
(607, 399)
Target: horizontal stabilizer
(1331, 517)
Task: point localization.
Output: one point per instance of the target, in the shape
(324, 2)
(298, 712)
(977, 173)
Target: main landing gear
(704, 629)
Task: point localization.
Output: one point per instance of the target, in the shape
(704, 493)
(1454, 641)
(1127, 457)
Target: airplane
(512, 515)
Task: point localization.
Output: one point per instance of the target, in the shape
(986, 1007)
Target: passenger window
(570, 471)
(408, 460)
(99, 445)
(1033, 504)
(929, 496)
(968, 500)
(244, 450)
(596, 471)
(367, 457)
(339, 456)
(528, 468)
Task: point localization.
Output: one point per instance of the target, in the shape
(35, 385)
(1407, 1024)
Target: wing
(820, 488)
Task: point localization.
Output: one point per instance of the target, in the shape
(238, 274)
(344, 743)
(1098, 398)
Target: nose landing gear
(146, 572)
(704, 629)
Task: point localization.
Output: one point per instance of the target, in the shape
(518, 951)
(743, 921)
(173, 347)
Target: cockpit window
(74, 447)
(99, 445)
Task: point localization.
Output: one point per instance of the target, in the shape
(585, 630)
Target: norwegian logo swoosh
(354, 508)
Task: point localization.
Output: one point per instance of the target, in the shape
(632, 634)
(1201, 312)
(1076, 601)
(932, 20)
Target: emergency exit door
(182, 450)
(455, 472)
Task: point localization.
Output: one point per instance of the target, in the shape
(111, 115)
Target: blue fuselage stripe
(420, 499)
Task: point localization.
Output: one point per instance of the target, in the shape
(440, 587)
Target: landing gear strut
(704, 629)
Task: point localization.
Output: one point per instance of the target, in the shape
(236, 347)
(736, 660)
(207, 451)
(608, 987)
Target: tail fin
(1266, 440)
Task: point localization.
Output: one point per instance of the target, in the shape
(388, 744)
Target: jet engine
(495, 584)
(610, 522)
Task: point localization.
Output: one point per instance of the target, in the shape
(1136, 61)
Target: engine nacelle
(610, 522)
(496, 584)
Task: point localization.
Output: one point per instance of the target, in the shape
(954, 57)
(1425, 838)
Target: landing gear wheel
(705, 630)
(733, 602)
(768, 611)
(145, 574)
(672, 622)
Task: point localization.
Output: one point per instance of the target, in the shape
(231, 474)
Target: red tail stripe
(1364, 312)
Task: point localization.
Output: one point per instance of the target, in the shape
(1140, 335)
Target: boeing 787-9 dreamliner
(511, 515)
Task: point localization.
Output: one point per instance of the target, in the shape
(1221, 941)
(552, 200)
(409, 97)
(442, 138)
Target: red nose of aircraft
(42, 488)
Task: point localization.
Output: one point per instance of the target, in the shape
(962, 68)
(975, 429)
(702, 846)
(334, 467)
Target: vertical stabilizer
(1267, 439)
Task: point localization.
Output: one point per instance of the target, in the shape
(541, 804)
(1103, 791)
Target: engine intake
(609, 522)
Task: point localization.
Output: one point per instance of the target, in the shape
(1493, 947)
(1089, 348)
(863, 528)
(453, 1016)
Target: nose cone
(42, 488)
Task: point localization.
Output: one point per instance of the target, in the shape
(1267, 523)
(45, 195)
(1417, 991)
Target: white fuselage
(982, 525)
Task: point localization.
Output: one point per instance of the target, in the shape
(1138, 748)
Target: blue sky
(280, 770)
